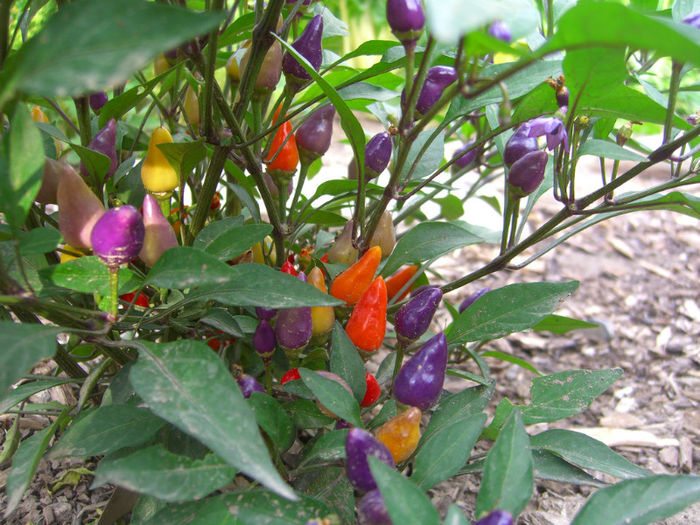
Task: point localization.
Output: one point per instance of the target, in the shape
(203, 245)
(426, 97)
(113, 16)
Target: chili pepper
(258, 255)
(436, 80)
(216, 342)
(160, 65)
(384, 235)
(343, 251)
(500, 30)
(38, 115)
(272, 184)
(398, 280)
(337, 379)
(293, 329)
(314, 134)
(142, 300)
(352, 283)
(105, 142)
(372, 509)
(461, 159)
(97, 101)
(283, 157)
(215, 203)
(264, 340)
(367, 324)
(419, 382)
(406, 20)
(157, 174)
(359, 444)
(270, 69)
(159, 236)
(527, 173)
(496, 517)
(401, 434)
(421, 289)
(117, 236)
(266, 314)
(307, 45)
(290, 375)
(78, 209)
(372, 391)
(324, 259)
(288, 268)
(50, 179)
(377, 155)
(248, 384)
(191, 107)
(413, 318)
(469, 300)
(562, 95)
(518, 145)
(322, 317)
(341, 424)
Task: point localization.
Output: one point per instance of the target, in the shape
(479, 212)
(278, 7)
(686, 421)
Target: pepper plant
(159, 218)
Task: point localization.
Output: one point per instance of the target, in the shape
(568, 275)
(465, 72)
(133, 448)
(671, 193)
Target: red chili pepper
(282, 150)
(288, 267)
(290, 375)
(353, 282)
(324, 259)
(215, 202)
(372, 392)
(367, 324)
(141, 300)
(396, 281)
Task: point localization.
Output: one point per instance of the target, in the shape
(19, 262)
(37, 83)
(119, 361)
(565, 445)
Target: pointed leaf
(455, 516)
(552, 467)
(333, 396)
(89, 275)
(23, 346)
(273, 419)
(347, 363)
(22, 392)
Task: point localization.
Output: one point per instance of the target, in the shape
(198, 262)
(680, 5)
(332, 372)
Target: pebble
(669, 456)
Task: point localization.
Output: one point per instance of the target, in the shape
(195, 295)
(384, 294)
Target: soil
(639, 279)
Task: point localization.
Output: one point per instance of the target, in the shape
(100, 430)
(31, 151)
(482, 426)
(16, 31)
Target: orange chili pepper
(288, 156)
(367, 324)
(352, 283)
(396, 281)
(401, 434)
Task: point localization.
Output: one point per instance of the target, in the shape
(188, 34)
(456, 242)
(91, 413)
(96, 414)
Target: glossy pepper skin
(527, 173)
(343, 251)
(105, 142)
(398, 280)
(437, 79)
(360, 444)
(377, 154)
(290, 375)
(157, 174)
(496, 517)
(270, 70)
(322, 317)
(307, 45)
(352, 283)
(264, 340)
(117, 236)
(51, 177)
(265, 313)
(469, 300)
(461, 159)
(372, 391)
(248, 384)
(159, 236)
(191, 107)
(367, 324)
(97, 100)
(419, 382)
(519, 145)
(413, 318)
(78, 209)
(314, 134)
(372, 509)
(284, 155)
(294, 327)
(384, 235)
(401, 434)
(406, 20)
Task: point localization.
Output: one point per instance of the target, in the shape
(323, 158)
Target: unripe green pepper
(343, 251)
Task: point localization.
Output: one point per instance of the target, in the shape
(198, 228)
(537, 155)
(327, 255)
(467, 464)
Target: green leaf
(567, 393)
(552, 467)
(23, 345)
(22, 392)
(347, 363)
(98, 44)
(609, 150)
(89, 275)
(209, 511)
(306, 414)
(21, 166)
(455, 516)
(273, 419)
(168, 376)
(223, 321)
(262, 507)
(214, 230)
(237, 240)
(96, 163)
(426, 241)
(184, 156)
(24, 464)
(640, 501)
(450, 207)
(558, 324)
(509, 309)
(333, 396)
(169, 477)
(329, 447)
(431, 158)
(330, 485)
(511, 359)
(446, 450)
(508, 481)
(106, 429)
(677, 201)
(39, 241)
(405, 502)
(587, 453)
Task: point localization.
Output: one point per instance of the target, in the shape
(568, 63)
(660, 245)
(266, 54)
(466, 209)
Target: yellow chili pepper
(401, 434)
(157, 174)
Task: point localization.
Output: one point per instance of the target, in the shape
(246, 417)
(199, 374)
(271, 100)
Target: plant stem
(303, 171)
(210, 67)
(4, 29)
(211, 180)
(82, 109)
(672, 96)
(114, 290)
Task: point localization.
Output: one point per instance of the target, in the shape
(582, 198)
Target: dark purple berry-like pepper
(468, 301)
(406, 19)
(461, 159)
(372, 509)
(563, 97)
(117, 236)
(105, 142)
(413, 318)
(497, 517)
(518, 145)
(294, 328)
(307, 45)
(527, 173)
(419, 382)
(358, 445)
(500, 30)
(436, 80)
(97, 100)
(314, 135)
(264, 340)
(377, 154)
(265, 313)
(248, 384)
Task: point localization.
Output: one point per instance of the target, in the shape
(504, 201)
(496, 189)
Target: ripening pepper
(372, 509)
(117, 236)
(270, 69)
(343, 251)
(384, 235)
(294, 328)
(500, 30)
(105, 142)
(97, 100)
(462, 159)
(248, 384)
(518, 145)
(142, 299)
(264, 340)
(233, 69)
(496, 517)
(367, 324)
(372, 391)
(78, 209)
(469, 300)
(307, 45)
(406, 20)
(283, 157)
(419, 382)
(352, 283)
(377, 155)
(413, 318)
(38, 115)
(359, 444)
(314, 134)
(159, 236)
(527, 173)
(401, 434)
(436, 80)
(160, 65)
(50, 178)
(191, 107)
(288, 268)
(290, 375)
(157, 174)
(398, 280)
(322, 317)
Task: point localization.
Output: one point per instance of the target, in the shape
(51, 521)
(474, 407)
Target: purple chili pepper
(248, 384)
(104, 142)
(518, 145)
(358, 445)
(436, 80)
(97, 100)
(500, 30)
(413, 318)
(265, 313)
(117, 236)
(294, 328)
(461, 159)
(497, 517)
(419, 382)
(372, 509)
(377, 154)
(159, 234)
(314, 135)
(406, 19)
(468, 301)
(264, 340)
(527, 173)
(307, 45)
